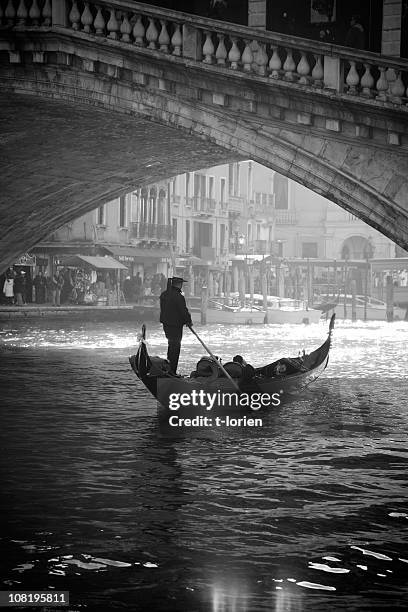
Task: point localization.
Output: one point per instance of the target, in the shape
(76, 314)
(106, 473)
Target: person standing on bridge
(217, 9)
(355, 36)
(174, 315)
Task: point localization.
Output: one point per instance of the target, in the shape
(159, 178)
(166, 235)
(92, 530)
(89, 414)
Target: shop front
(23, 269)
(91, 280)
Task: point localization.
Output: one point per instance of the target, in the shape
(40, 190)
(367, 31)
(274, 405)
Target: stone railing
(285, 217)
(236, 203)
(264, 55)
(205, 205)
(151, 231)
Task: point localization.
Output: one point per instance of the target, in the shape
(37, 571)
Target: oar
(215, 359)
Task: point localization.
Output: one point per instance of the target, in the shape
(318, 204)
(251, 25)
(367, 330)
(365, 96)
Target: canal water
(307, 512)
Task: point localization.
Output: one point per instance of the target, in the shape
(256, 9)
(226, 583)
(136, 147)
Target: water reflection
(307, 512)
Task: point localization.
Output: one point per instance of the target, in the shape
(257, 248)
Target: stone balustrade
(204, 205)
(152, 231)
(258, 54)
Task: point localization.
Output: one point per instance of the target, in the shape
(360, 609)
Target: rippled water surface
(307, 512)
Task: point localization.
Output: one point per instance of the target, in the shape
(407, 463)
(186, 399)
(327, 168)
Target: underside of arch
(64, 154)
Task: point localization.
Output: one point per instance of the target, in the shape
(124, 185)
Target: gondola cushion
(159, 366)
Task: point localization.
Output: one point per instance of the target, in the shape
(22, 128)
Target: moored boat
(235, 382)
(288, 310)
(230, 313)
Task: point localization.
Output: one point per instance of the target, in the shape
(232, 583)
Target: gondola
(237, 383)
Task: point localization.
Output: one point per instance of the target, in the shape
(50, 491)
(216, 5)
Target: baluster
(47, 13)
(99, 23)
(275, 64)
(390, 75)
(303, 69)
(367, 82)
(261, 59)
(208, 49)
(221, 53)
(35, 13)
(397, 89)
(152, 34)
(125, 28)
(176, 39)
(352, 78)
(10, 13)
(22, 13)
(317, 72)
(382, 85)
(247, 57)
(87, 18)
(289, 65)
(234, 54)
(164, 38)
(139, 32)
(74, 16)
(113, 25)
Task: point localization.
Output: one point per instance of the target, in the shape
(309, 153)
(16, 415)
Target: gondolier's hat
(177, 279)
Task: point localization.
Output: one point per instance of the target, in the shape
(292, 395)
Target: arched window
(356, 247)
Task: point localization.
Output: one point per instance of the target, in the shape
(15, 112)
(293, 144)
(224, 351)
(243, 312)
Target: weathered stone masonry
(87, 118)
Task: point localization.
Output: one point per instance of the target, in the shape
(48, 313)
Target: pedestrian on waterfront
(163, 282)
(128, 289)
(355, 36)
(28, 295)
(67, 286)
(137, 286)
(39, 285)
(8, 289)
(174, 315)
(20, 288)
(56, 283)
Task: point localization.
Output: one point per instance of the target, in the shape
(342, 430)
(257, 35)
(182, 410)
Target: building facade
(135, 229)
(214, 222)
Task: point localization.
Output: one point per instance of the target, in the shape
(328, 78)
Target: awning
(129, 253)
(99, 263)
(191, 260)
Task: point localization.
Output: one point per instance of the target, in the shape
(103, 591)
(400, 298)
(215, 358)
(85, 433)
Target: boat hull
(232, 317)
(282, 316)
(220, 397)
(256, 389)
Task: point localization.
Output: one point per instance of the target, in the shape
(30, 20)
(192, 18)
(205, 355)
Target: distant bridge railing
(257, 53)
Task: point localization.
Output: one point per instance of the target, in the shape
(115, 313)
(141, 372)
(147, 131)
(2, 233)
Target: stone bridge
(98, 98)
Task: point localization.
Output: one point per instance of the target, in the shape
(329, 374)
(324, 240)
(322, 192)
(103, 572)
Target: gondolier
(174, 315)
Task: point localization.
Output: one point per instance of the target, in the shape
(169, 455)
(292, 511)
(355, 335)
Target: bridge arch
(132, 127)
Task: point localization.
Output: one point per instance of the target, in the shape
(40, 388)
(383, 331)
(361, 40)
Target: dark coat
(19, 284)
(355, 37)
(173, 309)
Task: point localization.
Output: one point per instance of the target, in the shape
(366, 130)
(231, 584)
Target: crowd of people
(137, 288)
(64, 286)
